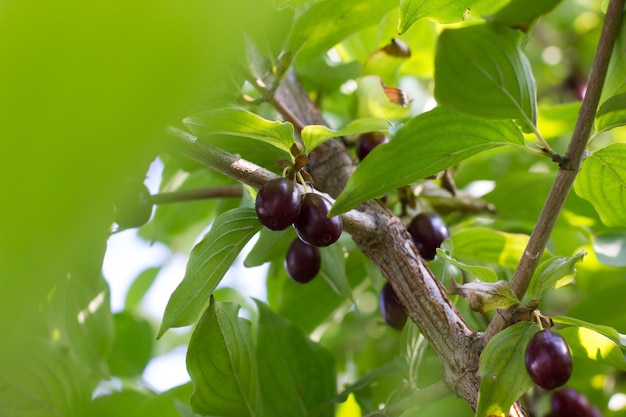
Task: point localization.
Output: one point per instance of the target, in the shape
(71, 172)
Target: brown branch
(225, 191)
(568, 169)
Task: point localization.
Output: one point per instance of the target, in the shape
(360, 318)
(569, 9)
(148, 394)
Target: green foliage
(85, 109)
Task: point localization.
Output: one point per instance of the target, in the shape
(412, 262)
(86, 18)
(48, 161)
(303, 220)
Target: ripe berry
(367, 142)
(428, 230)
(548, 359)
(571, 403)
(390, 308)
(133, 208)
(278, 203)
(313, 225)
(302, 261)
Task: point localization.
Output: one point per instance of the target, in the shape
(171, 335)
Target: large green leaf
(240, 122)
(612, 113)
(503, 371)
(327, 22)
(555, 272)
(481, 70)
(588, 343)
(424, 146)
(208, 262)
(222, 364)
(315, 135)
(444, 11)
(602, 182)
(298, 375)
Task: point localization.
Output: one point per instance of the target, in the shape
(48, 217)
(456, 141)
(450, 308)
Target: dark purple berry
(313, 225)
(569, 402)
(368, 141)
(390, 308)
(133, 208)
(302, 261)
(278, 203)
(548, 359)
(428, 230)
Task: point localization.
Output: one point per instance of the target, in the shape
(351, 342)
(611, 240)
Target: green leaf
(481, 70)
(555, 272)
(615, 82)
(424, 146)
(607, 331)
(443, 12)
(222, 364)
(486, 296)
(139, 287)
(333, 270)
(240, 122)
(483, 273)
(372, 100)
(326, 23)
(612, 113)
(479, 244)
(585, 342)
(610, 249)
(208, 262)
(502, 370)
(132, 349)
(602, 182)
(298, 374)
(520, 12)
(271, 244)
(315, 135)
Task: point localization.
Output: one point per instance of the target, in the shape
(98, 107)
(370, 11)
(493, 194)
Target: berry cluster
(549, 365)
(280, 204)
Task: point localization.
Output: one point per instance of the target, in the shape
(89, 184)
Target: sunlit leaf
(481, 70)
(315, 135)
(372, 100)
(208, 262)
(222, 365)
(554, 273)
(240, 122)
(588, 343)
(607, 331)
(487, 245)
(614, 86)
(503, 371)
(612, 113)
(424, 146)
(483, 273)
(602, 182)
(443, 12)
(139, 287)
(486, 296)
(298, 375)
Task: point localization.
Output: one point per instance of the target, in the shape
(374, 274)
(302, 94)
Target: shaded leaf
(555, 272)
(132, 349)
(208, 262)
(486, 296)
(240, 122)
(602, 182)
(503, 371)
(424, 146)
(481, 70)
(607, 331)
(271, 244)
(298, 375)
(520, 12)
(315, 135)
(588, 343)
(443, 12)
(612, 113)
(222, 364)
(333, 270)
(483, 273)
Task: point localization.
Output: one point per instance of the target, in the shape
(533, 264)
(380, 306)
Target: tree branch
(197, 194)
(568, 169)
